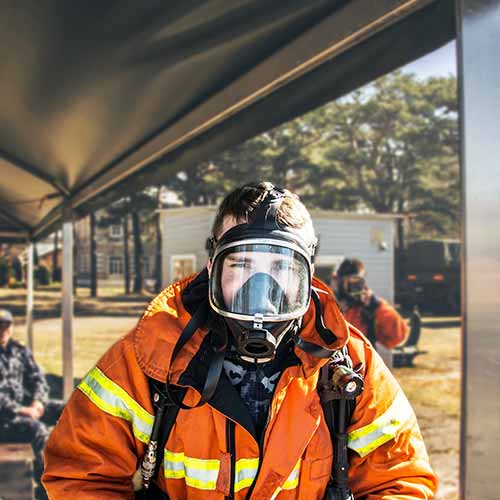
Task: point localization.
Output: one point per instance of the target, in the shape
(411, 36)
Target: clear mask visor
(264, 280)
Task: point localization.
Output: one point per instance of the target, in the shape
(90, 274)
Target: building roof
(315, 213)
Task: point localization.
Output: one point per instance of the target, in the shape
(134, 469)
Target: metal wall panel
(479, 80)
(356, 238)
(186, 230)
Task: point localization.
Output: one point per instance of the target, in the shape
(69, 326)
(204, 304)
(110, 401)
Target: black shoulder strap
(165, 416)
(338, 408)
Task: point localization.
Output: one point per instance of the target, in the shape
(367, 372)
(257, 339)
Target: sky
(441, 62)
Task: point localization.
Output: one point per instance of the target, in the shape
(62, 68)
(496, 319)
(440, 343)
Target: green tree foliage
(390, 147)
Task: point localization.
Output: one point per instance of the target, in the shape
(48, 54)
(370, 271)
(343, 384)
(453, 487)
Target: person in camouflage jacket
(25, 408)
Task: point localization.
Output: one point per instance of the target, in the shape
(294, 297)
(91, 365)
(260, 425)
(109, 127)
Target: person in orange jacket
(239, 348)
(375, 317)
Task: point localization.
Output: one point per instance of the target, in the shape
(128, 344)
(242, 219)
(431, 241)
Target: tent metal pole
(67, 303)
(29, 296)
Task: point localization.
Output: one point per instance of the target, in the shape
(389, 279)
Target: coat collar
(162, 323)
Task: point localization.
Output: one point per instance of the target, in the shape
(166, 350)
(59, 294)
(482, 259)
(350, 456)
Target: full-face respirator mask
(260, 280)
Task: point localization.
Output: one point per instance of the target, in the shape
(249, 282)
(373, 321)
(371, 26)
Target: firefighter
(374, 316)
(239, 348)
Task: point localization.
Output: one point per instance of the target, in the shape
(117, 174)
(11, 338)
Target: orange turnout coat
(212, 451)
(390, 328)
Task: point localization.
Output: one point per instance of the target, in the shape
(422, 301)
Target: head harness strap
(265, 216)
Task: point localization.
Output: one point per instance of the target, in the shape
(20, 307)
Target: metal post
(67, 303)
(478, 28)
(29, 296)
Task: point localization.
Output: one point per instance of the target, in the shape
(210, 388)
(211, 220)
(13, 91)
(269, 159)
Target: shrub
(5, 271)
(42, 274)
(17, 269)
(57, 275)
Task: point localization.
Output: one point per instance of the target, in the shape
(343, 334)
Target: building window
(182, 266)
(101, 263)
(115, 265)
(116, 230)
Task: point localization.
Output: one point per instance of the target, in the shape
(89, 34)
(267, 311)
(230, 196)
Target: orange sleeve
(390, 328)
(95, 448)
(388, 459)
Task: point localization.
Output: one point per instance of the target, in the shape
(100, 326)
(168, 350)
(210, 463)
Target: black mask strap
(198, 319)
(325, 333)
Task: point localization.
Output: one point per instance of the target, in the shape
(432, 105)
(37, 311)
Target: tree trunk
(93, 256)
(35, 255)
(55, 275)
(137, 252)
(126, 255)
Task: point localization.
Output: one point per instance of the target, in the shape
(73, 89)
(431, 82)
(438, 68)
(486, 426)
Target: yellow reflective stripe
(384, 428)
(173, 457)
(245, 472)
(112, 399)
(173, 465)
(197, 472)
(200, 464)
(123, 395)
(201, 484)
(293, 479)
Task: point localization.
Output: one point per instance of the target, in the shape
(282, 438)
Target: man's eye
(283, 266)
(240, 265)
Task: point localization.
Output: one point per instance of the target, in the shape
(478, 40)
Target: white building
(369, 237)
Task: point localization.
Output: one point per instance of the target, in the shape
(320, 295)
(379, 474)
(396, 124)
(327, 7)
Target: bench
(403, 355)
(16, 471)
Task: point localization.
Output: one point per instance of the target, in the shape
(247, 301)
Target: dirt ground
(432, 385)
(433, 388)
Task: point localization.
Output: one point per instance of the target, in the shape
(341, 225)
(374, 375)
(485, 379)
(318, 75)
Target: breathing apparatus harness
(338, 383)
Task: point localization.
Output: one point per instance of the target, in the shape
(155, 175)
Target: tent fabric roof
(98, 98)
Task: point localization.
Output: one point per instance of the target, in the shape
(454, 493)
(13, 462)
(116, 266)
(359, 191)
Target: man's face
(239, 267)
(5, 333)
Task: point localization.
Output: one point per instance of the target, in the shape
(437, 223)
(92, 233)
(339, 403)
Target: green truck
(428, 275)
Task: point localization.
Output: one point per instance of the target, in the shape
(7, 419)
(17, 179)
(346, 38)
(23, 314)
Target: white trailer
(368, 237)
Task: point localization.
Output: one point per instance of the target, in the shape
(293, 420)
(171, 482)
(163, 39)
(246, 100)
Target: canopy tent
(96, 93)
(99, 98)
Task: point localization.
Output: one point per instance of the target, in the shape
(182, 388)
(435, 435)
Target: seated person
(375, 317)
(24, 398)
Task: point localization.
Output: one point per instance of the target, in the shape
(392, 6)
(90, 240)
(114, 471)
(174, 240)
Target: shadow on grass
(437, 323)
(106, 306)
(125, 298)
